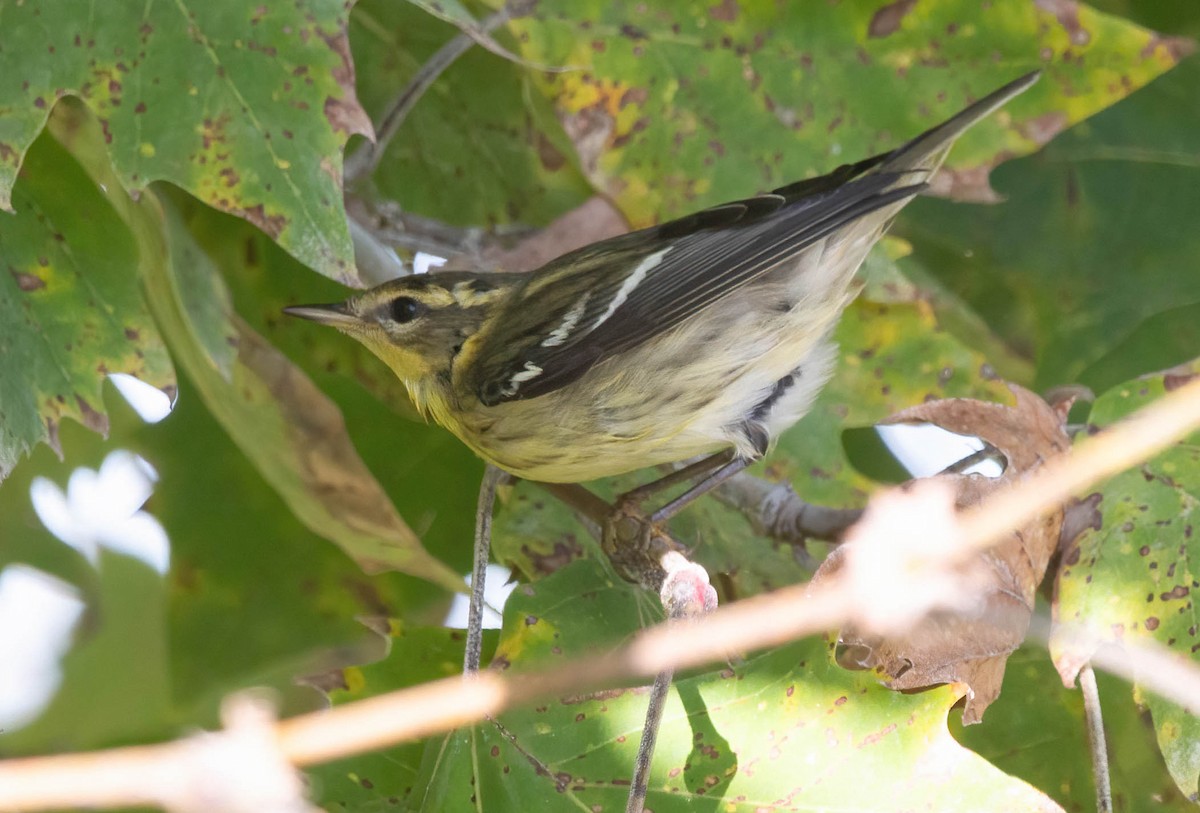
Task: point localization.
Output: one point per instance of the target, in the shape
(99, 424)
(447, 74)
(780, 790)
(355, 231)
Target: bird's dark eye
(405, 309)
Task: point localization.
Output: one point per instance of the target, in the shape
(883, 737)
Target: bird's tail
(928, 150)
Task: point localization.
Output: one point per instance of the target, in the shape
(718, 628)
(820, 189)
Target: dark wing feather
(632, 295)
(704, 257)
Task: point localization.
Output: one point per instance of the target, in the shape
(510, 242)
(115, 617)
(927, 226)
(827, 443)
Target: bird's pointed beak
(335, 315)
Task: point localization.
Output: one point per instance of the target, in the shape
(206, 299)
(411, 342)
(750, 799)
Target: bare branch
(238, 770)
(775, 510)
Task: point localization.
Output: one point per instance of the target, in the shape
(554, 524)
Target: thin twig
(640, 782)
(988, 452)
(364, 161)
(492, 478)
(1095, 729)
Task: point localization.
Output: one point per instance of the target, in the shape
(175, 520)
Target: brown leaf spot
(345, 114)
(27, 282)
(871, 739)
(886, 20)
(1176, 47)
(563, 553)
(1067, 14)
(1179, 591)
(726, 11)
(548, 154)
(347, 117)
(273, 225)
(1173, 381)
(91, 418)
(1044, 127)
(634, 95)
(1152, 623)
(589, 130)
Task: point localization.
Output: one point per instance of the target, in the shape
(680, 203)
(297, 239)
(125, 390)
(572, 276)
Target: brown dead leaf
(972, 645)
(328, 485)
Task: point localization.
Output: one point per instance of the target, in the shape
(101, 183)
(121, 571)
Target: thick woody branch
(776, 511)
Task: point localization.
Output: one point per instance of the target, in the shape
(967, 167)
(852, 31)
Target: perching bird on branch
(707, 334)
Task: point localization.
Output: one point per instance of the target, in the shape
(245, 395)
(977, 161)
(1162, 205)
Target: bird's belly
(540, 445)
(664, 404)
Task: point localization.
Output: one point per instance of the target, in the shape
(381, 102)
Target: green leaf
(1132, 576)
(680, 105)
(294, 434)
(1162, 15)
(429, 474)
(385, 780)
(581, 609)
(256, 597)
(780, 731)
(245, 106)
(1036, 730)
(70, 310)
(1093, 258)
(481, 147)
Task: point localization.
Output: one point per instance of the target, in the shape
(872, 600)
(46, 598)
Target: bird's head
(416, 324)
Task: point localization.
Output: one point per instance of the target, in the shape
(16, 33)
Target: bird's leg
(630, 533)
(492, 477)
(696, 468)
(702, 487)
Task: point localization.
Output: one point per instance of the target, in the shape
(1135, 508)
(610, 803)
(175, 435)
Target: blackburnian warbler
(706, 333)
